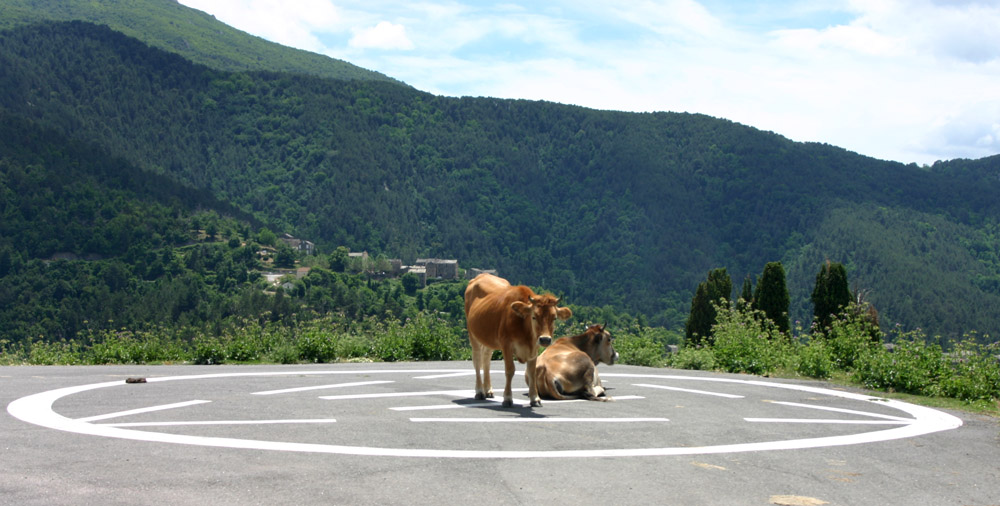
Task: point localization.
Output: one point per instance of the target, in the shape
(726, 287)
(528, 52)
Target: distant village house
(299, 245)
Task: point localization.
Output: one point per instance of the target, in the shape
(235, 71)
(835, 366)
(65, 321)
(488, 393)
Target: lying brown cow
(511, 319)
(568, 368)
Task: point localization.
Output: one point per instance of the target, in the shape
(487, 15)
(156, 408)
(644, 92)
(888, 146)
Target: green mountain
(613, 209)
(172, 27)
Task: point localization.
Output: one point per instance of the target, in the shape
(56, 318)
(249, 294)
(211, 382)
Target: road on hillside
(411, 433)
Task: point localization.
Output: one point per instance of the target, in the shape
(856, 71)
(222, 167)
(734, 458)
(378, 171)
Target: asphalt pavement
(411, 433)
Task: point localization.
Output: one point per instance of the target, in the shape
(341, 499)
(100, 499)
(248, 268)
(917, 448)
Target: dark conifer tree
(746, 293)
(771, 295)
(831, 295)
(716, 289)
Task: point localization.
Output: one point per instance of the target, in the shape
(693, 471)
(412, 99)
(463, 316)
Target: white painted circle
(38, 409)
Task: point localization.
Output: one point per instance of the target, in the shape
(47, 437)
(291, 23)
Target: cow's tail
(557, 391)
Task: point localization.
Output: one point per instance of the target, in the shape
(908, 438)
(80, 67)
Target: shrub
(208, 350)
(433, 339)
(913, 367)
(285, 353)
(352, 346)
(690, 357)
(815, 360)
(848, 338)
(133, 347)
(746, 341)
(317, 345)
(973, 373)
(390, 343)
(641, 349)
(61, 352)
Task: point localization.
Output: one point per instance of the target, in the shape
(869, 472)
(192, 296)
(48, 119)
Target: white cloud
(892, 79)
(384, 35)
(294, 24)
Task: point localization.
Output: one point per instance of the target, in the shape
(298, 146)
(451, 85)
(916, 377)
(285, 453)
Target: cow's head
(604, 345)
(542, 310)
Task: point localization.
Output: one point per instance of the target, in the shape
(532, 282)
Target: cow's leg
(508, 369)
(529, 375)
(485, 357)
(594, 389)
(598, 387)
(477, 365)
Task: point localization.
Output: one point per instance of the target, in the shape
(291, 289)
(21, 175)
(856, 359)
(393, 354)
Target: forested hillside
(199, 37)
(618, 209)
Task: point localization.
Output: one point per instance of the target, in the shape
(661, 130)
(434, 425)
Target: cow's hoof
(480, 396)
(508, 403)
(489, 395)
(537, 403)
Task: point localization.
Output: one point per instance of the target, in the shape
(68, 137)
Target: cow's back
(481, 286)
(487, 309)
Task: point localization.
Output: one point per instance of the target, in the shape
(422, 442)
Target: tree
(410, 283)
(338, 259)
(771, 295)
(746, 293)
(715, 290)
(6, 260)
(266, 237)
(831, 295)
(285, 257)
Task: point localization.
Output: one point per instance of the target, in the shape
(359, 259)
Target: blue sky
(905, 80)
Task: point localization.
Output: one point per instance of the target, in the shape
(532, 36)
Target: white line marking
(450, 375)
(691, 391)
(220, 422)
(321, 387)
(140, 410)
(454, 393)
(37, 409)
(538, 420)
(841, 410)
(814, 420)
(494, 402)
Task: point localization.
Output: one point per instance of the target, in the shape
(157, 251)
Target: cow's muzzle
(544, 340)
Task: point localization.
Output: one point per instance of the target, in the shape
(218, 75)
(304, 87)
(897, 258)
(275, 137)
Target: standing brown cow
(568, 368)
(514, 320)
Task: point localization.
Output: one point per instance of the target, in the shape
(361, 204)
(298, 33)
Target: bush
(912, 367)
(973, 373)
(689, 357)
(433, 339)
(815, 360)
(61, 352)
(208, 351)
(848, 338)
(317, 345)
(133, 347)
(390, 343)
(641, 349)
(285, 353)
(746, 342)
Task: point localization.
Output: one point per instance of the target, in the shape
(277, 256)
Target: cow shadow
(521, 410)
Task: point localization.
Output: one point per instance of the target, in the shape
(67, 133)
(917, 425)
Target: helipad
(420, 413)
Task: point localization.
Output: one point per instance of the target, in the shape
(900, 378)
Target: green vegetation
(831, 293)
(715, 290)
(143, 195)
(195, 35)
(606, 208)
(770, 297)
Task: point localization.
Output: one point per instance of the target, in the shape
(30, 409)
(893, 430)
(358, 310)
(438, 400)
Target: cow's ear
(564, 313)
(521, 309)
